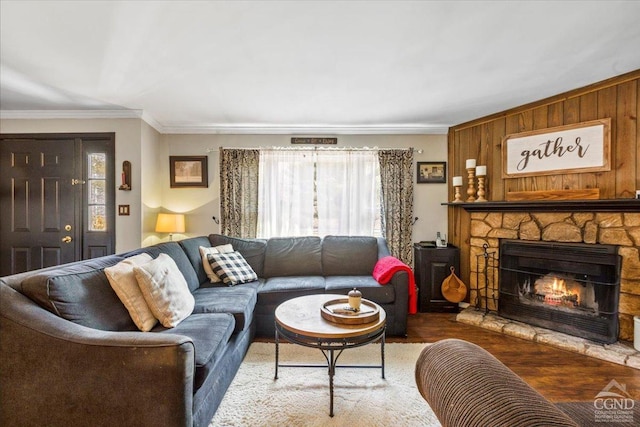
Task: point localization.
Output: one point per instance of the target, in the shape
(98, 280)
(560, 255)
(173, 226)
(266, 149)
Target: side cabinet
(432, 266)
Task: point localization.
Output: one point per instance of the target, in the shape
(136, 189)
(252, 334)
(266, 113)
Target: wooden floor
(559, 375)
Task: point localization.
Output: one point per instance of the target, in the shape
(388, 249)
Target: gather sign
(581, 147)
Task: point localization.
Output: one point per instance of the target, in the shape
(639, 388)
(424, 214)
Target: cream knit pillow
(124, 283)
(165, 290)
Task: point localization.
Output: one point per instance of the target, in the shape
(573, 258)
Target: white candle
(457, 181)
(471, 163)
(481, 170)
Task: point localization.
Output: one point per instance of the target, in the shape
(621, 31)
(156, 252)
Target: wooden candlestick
(481, 190)
(471, 191)
(457, 198)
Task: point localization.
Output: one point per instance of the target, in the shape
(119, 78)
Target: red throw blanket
(386, 267)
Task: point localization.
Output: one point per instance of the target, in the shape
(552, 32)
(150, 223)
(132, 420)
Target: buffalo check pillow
(204, 252)
(231, 268)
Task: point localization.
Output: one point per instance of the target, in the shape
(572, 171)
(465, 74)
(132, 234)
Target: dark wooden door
(45, 204)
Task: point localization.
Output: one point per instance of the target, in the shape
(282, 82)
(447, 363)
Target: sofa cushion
(125, 285)
(276, 290)
(232, 268)
(370, 288)
(175, 251)
(349, 255)
(240, 301)
(210, 334)
(251, 249)
(191, 247)
(165, 290)
(81, 294)
(293, 256)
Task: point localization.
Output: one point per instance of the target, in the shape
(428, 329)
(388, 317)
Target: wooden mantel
(608, 205)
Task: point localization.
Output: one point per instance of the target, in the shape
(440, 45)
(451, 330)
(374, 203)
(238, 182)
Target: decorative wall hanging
(188, 171)
(126, 177)
(580, 147)
(316, 141)
(431, 172)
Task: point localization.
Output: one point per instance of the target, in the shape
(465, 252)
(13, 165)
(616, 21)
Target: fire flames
(554, 290)
(558, 292)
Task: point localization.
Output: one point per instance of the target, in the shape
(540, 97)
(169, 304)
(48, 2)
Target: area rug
(300, 396)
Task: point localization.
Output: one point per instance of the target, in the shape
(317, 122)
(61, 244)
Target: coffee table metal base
(331, 349)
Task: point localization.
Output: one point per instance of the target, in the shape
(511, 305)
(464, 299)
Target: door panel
(37, 200)
(99, 196)
(20, 208)
(45, 205)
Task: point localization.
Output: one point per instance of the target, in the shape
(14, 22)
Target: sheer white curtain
(348, 193)
(285, 193)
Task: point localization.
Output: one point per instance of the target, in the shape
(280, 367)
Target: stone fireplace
(567, 287)
(619, 230)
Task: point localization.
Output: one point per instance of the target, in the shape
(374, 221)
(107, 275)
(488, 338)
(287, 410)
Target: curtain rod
(211, 150)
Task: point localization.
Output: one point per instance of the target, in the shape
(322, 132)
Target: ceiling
(305, 66)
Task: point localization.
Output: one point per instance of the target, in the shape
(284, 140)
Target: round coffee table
(299, 321)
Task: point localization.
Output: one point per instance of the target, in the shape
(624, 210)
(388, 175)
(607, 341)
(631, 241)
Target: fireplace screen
(567, 287)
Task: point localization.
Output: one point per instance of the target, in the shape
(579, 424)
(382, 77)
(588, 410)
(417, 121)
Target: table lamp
(170, 223)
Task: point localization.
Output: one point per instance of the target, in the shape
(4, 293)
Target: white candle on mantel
(481, 170)
(457, 181)
(471, 163)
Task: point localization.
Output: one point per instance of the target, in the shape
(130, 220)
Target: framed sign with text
(316, 141)
(580, 147)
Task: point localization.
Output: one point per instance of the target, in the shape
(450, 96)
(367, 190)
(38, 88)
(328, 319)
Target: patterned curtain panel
(239, 192)
(396, 172)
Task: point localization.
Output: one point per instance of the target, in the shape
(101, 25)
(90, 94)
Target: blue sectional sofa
(70, 353)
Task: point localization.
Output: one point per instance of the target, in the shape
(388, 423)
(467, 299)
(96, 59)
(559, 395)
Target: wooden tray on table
(338, 311)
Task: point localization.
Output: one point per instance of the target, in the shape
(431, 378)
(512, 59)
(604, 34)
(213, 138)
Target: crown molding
(248, 129)
(151, 121)
(70, 114)
(309, 130)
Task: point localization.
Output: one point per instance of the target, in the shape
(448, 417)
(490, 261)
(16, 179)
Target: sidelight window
(96, 186)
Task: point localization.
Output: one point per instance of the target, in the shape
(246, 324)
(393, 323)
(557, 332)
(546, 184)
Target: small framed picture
(432, 173)
(188, 171)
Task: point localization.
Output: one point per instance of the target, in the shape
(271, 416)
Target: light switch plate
(123, 209)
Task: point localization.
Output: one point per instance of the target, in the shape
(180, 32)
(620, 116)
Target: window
(97, 202)
(318, 192)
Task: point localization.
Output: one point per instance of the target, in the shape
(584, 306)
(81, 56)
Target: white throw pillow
(165, 290)
(123, 281)
(232, 268)
(204, 251)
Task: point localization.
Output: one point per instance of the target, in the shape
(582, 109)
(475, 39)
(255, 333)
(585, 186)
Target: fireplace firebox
(572, 288)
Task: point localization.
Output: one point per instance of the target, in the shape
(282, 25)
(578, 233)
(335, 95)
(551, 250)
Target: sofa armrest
(400, 283)
(55, 372)
(466, 386)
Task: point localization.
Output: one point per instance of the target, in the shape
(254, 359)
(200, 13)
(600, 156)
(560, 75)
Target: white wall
(153, 168)
(200, 204)
(148, 151)
(128, 140)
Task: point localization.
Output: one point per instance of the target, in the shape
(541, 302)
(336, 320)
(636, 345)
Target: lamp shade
(170, 223)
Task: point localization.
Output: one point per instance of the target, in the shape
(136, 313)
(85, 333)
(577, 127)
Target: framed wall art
(431, 173)
(188, 171)
(575, 148)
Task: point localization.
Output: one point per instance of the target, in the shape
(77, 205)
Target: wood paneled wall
(617, 98)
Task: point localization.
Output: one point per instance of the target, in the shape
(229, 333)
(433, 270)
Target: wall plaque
(576, 148)
(321, 141)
